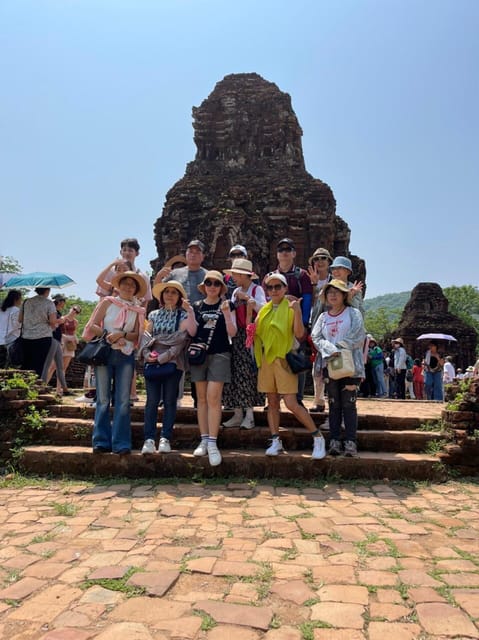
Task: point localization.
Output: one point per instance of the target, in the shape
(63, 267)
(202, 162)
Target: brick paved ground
(238, 562)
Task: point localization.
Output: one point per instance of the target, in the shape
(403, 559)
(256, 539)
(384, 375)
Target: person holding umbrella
(434, 363)
(38, 317)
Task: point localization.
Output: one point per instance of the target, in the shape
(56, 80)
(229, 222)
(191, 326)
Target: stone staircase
(390, 440)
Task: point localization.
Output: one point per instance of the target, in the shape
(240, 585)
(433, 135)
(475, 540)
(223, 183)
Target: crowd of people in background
(237, 337)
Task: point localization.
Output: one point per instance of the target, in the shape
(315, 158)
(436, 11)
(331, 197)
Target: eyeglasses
(237, 254)
(284, 249)
(213, 283)
(274, 287)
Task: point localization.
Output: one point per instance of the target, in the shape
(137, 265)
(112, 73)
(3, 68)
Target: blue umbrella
(39, 279)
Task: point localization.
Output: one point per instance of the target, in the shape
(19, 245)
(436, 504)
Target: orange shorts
(277, 377)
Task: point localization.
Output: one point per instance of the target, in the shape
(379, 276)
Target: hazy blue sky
(96, 126)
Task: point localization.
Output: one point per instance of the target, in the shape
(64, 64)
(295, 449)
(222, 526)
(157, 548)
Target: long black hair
(12, 297)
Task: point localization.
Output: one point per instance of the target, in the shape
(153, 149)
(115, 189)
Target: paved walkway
(238, 562)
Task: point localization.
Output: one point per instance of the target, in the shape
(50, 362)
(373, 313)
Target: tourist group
(242, 341)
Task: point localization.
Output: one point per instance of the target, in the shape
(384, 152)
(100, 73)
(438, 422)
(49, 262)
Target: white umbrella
(436, 336)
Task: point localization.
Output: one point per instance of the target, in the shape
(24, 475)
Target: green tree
(381, 322)
(464, 302)
(9, 264)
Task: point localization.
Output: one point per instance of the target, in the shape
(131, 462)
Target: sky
(96, 124)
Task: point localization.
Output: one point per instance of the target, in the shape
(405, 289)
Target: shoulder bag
(341, 366)
(96, 352)
(298, 361)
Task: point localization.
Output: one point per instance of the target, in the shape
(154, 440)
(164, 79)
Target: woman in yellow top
(278, 323)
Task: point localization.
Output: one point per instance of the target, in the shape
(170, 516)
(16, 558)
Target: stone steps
(390, 442)
(78, 461)
(77, 431)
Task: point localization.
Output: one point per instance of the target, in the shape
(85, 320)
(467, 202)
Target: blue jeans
(433, 385)
(114, 435)
(166, 389)
(378, 377)
(342, 404)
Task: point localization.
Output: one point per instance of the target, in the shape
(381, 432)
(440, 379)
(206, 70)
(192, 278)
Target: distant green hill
(387, 301)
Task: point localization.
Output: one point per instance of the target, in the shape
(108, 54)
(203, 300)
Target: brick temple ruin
(248, 183)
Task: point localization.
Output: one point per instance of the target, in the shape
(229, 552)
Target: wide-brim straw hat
(174, 260)
(137, 277)
(241, 265)
(336, 284)
(213, 275)
(161, 286)
(399, 340)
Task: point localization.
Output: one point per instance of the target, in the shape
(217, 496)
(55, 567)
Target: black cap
(196, 243)
(287, 241)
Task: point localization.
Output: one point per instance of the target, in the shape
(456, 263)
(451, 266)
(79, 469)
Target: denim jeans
(114, 435)
(378, 377)
(166, 389)
(342, 404)
(433, 385)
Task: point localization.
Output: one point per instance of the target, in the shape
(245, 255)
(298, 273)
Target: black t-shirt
(211, 318)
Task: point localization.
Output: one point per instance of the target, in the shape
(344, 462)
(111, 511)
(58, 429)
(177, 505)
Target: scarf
(274, 332)
(120, 319)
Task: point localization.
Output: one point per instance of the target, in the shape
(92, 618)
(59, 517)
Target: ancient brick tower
(248, 183)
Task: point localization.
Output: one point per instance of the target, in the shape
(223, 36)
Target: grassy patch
(207, 622)
(117, 584)
(307, 628)
(64, 508)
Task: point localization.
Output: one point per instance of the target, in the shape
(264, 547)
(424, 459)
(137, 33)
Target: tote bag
(342, 366)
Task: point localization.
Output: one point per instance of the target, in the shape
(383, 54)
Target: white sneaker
(148, 447)
(214, 455)
(235, 420)
(275, 448)
(164, 446)
(248, 422)
(319, 448)
(201, 449)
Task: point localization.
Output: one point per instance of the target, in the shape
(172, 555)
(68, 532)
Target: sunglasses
(213, 283)
(284, 250)
(274, 287)
(319, 258)
(237, 254)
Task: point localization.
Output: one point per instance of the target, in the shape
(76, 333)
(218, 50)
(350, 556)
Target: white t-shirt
(338, 326)
(9, 325)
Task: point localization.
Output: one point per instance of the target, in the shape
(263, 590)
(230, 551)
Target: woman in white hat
(216, 327)
(169, 326)
(339, 327)
(121, 317)
(278, 323)
(242, 393)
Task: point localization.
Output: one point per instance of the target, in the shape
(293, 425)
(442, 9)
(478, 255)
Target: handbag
(16, 352)
(70, 344)
(341, 366)
(96, 352)
(298, 361)
(196, 353)
(156, 371)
